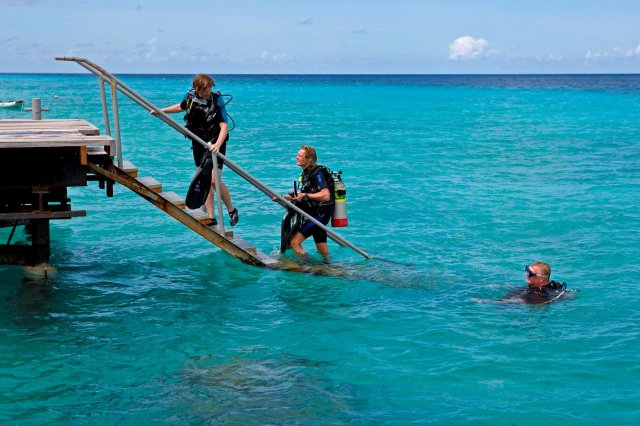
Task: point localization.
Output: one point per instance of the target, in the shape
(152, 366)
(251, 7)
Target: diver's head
(202, 83)
(537, 274)
(306, 157)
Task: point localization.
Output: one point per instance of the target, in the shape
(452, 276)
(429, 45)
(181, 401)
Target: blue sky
(322, 36)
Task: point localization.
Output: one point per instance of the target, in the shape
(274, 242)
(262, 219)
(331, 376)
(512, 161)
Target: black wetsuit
(314, 181)
(203, 118)
(537, 296)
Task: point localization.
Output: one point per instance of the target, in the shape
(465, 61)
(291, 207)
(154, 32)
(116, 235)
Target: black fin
(201, 183)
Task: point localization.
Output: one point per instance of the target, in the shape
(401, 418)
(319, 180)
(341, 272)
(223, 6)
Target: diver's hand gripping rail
(130, 93)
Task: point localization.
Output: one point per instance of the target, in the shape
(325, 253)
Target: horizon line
(339, 74)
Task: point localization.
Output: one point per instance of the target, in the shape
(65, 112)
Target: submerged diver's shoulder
(546, 294)
(533, 295)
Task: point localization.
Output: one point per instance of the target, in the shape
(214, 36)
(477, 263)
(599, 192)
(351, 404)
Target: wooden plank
(129, 168)
(150, 183)
(50, 129)
(174, 199)
(268, 261)
(52, 136)
(49, 142)
(4, 133)
(28, 135)
(81, 126)
(83, 155)
(96, 151)
(198, 214)
(42, 215)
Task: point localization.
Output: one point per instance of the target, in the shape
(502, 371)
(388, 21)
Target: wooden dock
(40, 159)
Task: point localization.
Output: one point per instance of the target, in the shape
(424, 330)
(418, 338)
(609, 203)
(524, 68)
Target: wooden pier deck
(40, 159)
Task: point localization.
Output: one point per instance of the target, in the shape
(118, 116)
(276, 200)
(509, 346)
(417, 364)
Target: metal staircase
(126, 174)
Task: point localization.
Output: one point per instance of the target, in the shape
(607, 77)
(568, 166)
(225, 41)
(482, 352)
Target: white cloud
(615, 53)
(555, 58)
(274, 57)
(467, 47)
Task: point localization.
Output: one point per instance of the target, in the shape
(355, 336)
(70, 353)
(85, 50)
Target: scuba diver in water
(316, 197)
(540, 289)
(207, 117)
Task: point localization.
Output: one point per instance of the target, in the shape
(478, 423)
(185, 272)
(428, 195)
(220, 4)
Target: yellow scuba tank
(339, 218)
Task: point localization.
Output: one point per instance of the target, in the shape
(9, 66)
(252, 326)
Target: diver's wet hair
(202, 81)
(545, 269)
(310, 152)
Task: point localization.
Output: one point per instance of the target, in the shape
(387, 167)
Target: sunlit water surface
(456, 182)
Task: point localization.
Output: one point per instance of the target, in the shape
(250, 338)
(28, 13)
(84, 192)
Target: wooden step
(202, 216)
(96, 151)
(245, 245)
(130, 168)
(174, 199)
(150, 183)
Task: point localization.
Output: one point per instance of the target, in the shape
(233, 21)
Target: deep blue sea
(457, 182)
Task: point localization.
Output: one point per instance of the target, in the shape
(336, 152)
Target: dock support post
(39, 267)
(40, 241)
(36, 109)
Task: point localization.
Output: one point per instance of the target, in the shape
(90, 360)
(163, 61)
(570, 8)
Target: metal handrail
(117, 85)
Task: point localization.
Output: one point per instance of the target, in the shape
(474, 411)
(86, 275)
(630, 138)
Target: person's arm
(168, 110)
(224, 131)
(224, 126)
(322, 195)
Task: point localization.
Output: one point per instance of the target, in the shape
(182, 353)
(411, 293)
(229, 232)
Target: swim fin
(201, 183)
(290, 224)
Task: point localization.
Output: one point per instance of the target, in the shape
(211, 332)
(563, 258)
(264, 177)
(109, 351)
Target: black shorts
(199, 150)
(309, 228)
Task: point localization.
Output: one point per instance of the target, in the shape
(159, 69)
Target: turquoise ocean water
(459, 180)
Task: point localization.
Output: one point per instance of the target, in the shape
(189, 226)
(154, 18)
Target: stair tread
(150, 182)
(170, 195)
(197, 213)
(96, 151)
(130, 168)
(148, 179)
(174, 198)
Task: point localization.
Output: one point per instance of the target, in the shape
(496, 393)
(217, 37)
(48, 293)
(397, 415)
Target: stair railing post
(218, 175)
(105, 111)
(116, 122)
